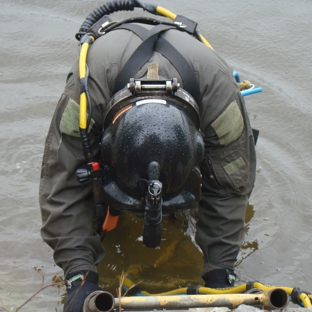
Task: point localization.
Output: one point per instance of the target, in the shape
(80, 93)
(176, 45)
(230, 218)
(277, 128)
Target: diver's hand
(219, 278)
(79, 285)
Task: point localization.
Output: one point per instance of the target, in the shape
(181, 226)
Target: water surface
(267, 42)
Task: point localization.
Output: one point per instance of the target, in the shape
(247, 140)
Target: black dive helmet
(151, 149)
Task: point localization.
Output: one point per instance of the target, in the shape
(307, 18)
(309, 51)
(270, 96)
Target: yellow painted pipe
(303, 297)
(274, 299)
(270, 300)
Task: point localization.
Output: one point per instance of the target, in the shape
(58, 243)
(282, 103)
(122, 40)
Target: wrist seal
(75, 278)
(219, 278)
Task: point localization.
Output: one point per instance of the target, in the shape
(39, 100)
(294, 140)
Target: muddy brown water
(267, 42)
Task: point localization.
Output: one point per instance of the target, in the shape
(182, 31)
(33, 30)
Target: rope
(244, 85)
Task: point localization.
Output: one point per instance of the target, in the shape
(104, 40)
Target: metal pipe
(270, 300)
(99, 301)
(276, 298)
(273, 299)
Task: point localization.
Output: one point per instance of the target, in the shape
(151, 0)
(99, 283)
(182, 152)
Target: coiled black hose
(111, 7)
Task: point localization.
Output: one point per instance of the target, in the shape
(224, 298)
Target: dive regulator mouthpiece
(152, 227)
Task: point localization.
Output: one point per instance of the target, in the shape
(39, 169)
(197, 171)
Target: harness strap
(136, 29)
(139, 57)
(143, 53)
(185, 70)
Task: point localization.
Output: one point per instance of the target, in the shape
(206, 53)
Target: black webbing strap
(189, 79)
(143, 53)
(255, 133)
(139, 57)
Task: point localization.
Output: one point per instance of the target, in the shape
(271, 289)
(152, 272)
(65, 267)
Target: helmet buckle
(136, 86)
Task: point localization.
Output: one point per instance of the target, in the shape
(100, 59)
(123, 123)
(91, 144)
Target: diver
(152, 122)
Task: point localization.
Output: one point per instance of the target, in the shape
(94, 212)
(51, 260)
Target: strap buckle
(185, 23)
(137, 86)
(99, 28)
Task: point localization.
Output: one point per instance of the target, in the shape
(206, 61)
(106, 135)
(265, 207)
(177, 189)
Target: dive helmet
(151, 134)
(151, 150)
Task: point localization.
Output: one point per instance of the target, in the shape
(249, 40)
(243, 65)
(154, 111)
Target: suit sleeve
(228, 171)
(66, 205)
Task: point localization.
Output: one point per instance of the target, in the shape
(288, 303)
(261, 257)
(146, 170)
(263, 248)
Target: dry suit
(228, 168)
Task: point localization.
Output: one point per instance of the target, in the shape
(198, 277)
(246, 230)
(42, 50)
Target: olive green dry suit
(228, 168)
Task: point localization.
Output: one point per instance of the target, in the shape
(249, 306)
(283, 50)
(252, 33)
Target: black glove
(219, 278)
(76, 294)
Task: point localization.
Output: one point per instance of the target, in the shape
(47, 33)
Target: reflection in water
(249, 215)
(246, 250)
(274, 53)
(177, 262)
(248, 247)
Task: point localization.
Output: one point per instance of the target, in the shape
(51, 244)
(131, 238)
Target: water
(267, 42)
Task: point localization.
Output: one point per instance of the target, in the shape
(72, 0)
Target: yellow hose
(178, 291)
(266, 287)
(305, 300)
(206, 42)
(82, 73)
(202, 290)
(166, 12)
(172, 16)
(83, 61)
(230, 290)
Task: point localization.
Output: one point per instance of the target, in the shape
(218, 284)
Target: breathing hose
(83, 76)
(106, 9)
(126, 5)
(87, 39)
(84, 97)
(167, 13)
